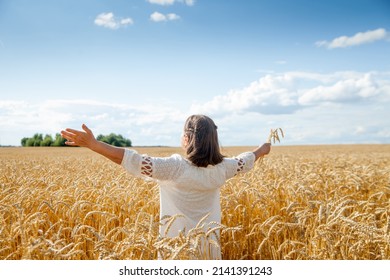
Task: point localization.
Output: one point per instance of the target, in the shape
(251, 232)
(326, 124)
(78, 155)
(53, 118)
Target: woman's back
(187, 190)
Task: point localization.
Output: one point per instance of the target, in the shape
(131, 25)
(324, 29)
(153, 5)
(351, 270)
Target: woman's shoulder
(177, 157)
(172, 159)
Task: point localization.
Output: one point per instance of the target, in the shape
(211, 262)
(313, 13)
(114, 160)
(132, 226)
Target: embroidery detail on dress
(240, 165)
(147, 166)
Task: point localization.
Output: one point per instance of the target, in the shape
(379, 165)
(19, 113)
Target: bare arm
(87, 139)
(262, 150)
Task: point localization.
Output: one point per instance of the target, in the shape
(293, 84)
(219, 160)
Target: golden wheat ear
(274, 135)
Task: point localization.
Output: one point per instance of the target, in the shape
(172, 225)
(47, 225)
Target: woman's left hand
(79, 138)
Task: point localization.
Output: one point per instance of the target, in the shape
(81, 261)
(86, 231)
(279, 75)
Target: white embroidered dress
(186, 189)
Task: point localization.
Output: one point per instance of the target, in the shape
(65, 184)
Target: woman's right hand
(262, 150)
(265, 149)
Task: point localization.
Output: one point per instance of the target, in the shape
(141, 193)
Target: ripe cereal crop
(298, 203)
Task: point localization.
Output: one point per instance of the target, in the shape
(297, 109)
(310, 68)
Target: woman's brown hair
(203, 146)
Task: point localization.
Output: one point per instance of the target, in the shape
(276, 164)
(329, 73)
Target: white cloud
(162, 2)
(285, 93)
(357, 39)
(126, 21)
(158, 17)
(108, 20)
(345, 90)
(171, 2)
(189, 2)
(172, 16)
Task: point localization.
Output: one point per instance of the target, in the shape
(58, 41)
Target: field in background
(309, 202)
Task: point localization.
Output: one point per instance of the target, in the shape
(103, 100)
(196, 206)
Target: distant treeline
(115, 140)
(48, 141)
(39, 141)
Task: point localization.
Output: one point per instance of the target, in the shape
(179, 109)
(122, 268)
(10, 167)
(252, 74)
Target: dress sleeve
(240, 164)
(157, 168)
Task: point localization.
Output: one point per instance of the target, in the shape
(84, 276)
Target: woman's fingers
(86, 129)
(66, 134)
(74, 131)
(73, 136)
(70, 143)
(77, 137)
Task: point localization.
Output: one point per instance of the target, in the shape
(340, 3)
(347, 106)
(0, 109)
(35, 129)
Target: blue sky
(318, 69)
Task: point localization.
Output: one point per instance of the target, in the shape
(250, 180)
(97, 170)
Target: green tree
(30, 142)
(39, 141)
(35, 141)
(59, 141)
(24, 141)
(115, 140)
(47, 141)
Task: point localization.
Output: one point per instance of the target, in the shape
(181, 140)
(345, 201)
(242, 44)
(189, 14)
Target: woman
(189, 186)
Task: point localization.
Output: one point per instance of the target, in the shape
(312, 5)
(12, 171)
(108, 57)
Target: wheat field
(299, 203)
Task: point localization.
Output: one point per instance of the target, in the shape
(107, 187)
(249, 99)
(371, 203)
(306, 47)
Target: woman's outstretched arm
(87, 139)
(262, 150)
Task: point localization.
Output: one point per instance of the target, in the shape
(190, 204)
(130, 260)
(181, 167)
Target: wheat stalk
(274, 135)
